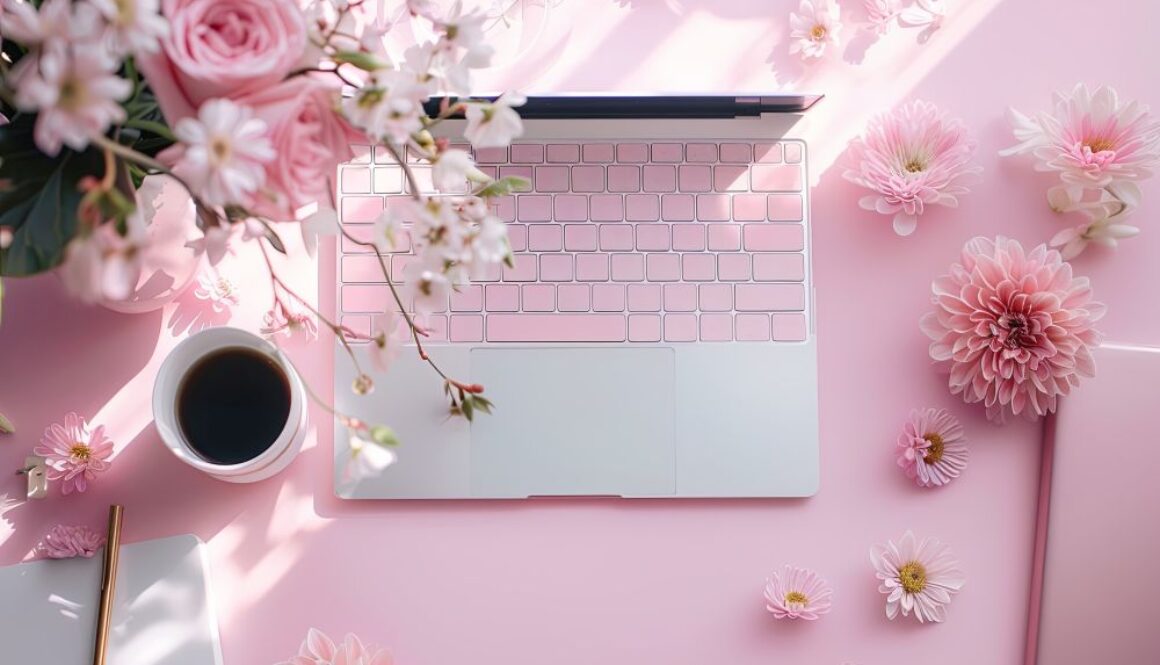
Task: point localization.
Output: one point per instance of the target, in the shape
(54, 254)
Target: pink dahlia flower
(1016, 328)
(797, 593)
(917, 576)
(932, 447)
(318, 649)
(66, 542)
(912, 158)
(73, 455)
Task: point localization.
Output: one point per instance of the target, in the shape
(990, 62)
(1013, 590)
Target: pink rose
(222, 48)
(311, 140)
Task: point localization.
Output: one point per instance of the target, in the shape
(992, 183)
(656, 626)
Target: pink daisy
(917, 576)
(912, 158)
(1016, 328)
(797, 593)
(66, 542)
(932, 447)
(73, 455)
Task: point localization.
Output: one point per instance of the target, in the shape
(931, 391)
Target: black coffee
(233, 404)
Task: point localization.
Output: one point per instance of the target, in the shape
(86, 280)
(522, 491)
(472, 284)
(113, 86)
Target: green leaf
(363, 61)
(468, 408)
(274, 239)
(41, 206)
(384, 436)
(504, 186)
(6, 426)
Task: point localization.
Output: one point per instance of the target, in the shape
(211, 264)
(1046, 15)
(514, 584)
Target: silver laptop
(655, 335)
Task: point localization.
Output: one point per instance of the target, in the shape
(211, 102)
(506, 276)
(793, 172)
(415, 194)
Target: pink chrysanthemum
(912, 158)
(1016, 328)
(318, 649)
(66, 542)
(932, 447)
(917, 576)
(72, 454)
(797, 593)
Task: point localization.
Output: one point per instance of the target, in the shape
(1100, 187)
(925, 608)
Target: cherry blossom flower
(882, 14)
(389, 334)
(106, 265)
(135, 26)
(453, 170)
(494, 125)
(319, 649)
(388, 106)
(218, 290)
(918, 576)
(67, 542)
(73, 454)
(223, 152)
(388, 226)
(815, 26)
(1015, 327)
(911, 158)
(932, 447)
(289, 318)
(797, 593)
(426, 287)
(364, 457)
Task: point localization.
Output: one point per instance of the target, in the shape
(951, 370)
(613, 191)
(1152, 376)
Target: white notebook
(163, 614)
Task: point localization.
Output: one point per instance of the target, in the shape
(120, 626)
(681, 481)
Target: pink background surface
(581, 581)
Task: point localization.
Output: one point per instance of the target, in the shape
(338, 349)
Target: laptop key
(556, 328)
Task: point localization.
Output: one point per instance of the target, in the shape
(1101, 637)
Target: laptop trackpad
(577, 421)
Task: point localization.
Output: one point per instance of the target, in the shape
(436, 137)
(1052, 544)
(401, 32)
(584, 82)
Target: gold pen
(108, 584)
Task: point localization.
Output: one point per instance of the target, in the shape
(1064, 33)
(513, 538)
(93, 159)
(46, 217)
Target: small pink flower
(797, 593)
(66, 542)
(318, 649)
(73, 455)
(911, 158)
(882, 14)
(390, 333)
(932, 447)
(917, 576)
(816, 25)
(1016, 328)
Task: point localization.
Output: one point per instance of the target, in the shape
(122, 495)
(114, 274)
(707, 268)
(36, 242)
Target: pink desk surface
(582, 581)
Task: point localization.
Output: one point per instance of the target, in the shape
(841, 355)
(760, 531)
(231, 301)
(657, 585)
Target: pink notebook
(1098, 591)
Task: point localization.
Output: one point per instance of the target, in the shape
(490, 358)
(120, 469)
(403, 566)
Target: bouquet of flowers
(250, 105)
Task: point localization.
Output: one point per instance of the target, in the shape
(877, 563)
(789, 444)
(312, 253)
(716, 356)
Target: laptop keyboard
(612, 242)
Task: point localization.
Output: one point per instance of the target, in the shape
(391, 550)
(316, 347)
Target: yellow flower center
(796, 598)
(1099, 144)
(71, 95)
(126, 12)
(915, 165)
(935, 452)
(220, 148)
(80, 451)
(913, 577)
(818, 32)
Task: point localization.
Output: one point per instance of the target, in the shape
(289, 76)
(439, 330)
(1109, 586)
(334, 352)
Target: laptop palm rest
(562, 417)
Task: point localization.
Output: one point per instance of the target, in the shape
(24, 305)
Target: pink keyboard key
(677, 207)
(505, 208)
(592, 267)
(680, 297)
(552, 178)
(563, 154)
(546, 238)
(749, 207)
(770, 297)
(363, 233)
(465, 328)
(659, 178)
(580, 237)
(642, 207)
(362, 269)
(644, 297)
(362, 154)
(663, 267)
(730, 178)
(365, 297)
(398, 265)
(359, 324)
(422, 176)
(699, 267)
(652, 237)
(785, 207)
(752, 327)
(556, 267)
(361, 209)
(793, 153)
(724, 237)
(736, 153)
(588, 179)
(608, 298)
(598, 152)
(356, 180)
(525, 172)
(789, 327)
(388, 180)
(716, 328)
(534, 208)
(779, 267)
(492, 272)
(539, 297)
(716, 297)
(774, 237)
(695, 178)
(701, 152)
(644, 328)
(713, 207)
(435, 325)
(607, 207)
(491, 155)
(688, 237)
(502, 297)
(468, 298)
(624, 178)
(556, 328)
(627, 267)
(733, 267)
(518, 237)
(632, 153)
(777, 178)
(768, 153)
(668, 152)
(680, 327)
(574, 297)
(523, 269)
(527, 153)
(615, 237)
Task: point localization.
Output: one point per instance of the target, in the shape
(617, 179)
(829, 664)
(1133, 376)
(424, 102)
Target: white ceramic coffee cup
(183, 357)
